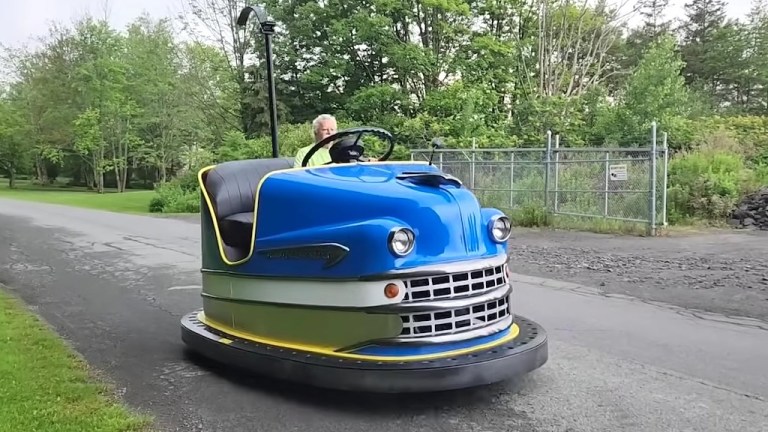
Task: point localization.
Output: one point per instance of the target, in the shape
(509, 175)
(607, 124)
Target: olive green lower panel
(301, 325)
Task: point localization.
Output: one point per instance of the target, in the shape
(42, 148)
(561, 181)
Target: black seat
(231, 187)
(237, 229)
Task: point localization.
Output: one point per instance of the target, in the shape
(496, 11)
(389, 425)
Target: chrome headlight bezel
(396, 235)
(505, 228)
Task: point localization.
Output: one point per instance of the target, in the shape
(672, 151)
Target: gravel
(723, 271)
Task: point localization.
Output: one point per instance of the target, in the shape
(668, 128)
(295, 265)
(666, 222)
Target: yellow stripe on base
(209, 204)
(329, 351)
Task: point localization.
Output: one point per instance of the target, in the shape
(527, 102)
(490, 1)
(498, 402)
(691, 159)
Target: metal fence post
(557, 169)
(652, 184)
(512, 181)
(546, 169)
(472, 166)
(665, 184)
(607, 180)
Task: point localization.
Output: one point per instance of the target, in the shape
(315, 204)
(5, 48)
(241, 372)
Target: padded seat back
(232, 185)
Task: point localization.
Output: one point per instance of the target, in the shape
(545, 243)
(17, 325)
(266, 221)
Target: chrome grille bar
(455, 285)
(458, 320)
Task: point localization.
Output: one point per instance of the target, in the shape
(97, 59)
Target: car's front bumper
(525, 353)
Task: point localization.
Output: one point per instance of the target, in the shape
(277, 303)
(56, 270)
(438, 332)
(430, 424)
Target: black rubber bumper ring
(527, 352)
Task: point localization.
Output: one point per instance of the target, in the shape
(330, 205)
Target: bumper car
(376, 276)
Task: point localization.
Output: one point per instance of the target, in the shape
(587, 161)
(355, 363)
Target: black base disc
(527, 352)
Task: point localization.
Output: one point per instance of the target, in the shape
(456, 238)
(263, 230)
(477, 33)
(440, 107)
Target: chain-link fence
(624, 184)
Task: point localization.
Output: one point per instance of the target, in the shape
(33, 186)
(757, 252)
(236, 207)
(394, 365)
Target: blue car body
(299, 266)
(356, 206)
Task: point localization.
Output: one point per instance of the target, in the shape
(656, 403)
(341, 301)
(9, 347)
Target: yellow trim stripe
(328, 351)
(216, 229)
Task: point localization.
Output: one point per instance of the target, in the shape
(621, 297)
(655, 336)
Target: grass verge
(46, 387)
(126, 202)
(536, 217)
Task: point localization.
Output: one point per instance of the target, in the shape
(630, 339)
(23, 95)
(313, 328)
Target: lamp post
(267, 28)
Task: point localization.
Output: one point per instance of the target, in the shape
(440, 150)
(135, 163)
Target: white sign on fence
(618, 172)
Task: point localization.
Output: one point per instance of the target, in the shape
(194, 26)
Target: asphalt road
(116, 286)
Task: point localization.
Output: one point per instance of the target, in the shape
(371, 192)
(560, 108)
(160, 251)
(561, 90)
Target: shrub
(530, 216)
(180, 195)
(707, 181)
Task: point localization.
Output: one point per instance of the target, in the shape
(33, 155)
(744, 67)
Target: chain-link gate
(622, 183)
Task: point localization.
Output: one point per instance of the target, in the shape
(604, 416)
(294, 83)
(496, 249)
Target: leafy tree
(15, 153)
(655, 92)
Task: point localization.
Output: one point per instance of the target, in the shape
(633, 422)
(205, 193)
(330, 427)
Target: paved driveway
(116, 286)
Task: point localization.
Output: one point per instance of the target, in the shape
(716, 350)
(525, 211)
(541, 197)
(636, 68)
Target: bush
(530, 216)
(180, 195)
(749, 132)
(707, 181)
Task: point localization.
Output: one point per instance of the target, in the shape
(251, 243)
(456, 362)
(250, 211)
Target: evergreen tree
(704, 18)
(652, 12)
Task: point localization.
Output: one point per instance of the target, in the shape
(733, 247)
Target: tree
(215, 21)
(655, 92)
(654, 23)
(15, 152)
(754, 95)
(574, 43)
(704, 18)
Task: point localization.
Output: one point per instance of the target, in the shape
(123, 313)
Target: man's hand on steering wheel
(345, 151)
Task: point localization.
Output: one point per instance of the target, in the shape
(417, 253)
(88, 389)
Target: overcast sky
(21, 22)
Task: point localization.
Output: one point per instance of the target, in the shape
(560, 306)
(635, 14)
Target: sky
(21, 22)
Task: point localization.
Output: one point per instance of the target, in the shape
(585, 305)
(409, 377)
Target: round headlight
(500, 228)
(401, 241)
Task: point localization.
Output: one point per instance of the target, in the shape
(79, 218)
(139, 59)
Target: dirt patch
(717, 271)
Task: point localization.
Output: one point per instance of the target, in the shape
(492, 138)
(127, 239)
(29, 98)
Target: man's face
(325, 129)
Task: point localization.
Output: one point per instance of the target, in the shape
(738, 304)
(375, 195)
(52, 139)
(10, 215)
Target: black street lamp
(267, 28)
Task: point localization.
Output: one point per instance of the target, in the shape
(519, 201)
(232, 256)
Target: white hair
(321, 118)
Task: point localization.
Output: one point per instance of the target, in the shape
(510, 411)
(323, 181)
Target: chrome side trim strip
(423, 271)
(255, 276)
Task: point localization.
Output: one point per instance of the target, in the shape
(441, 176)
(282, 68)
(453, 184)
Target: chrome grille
(455, 285)
(443, 322)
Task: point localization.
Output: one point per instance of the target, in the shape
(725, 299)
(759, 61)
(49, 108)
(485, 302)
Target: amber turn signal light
(391, 290)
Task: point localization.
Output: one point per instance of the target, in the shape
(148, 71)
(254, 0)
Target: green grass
(536, 217)
(45, 386)
(126, 202)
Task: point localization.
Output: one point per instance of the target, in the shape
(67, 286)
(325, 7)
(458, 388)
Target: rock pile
(752, 211)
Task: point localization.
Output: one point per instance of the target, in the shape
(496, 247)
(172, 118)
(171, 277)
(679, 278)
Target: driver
(322, 127)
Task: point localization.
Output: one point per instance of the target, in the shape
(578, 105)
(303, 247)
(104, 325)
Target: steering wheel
(345, 151)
